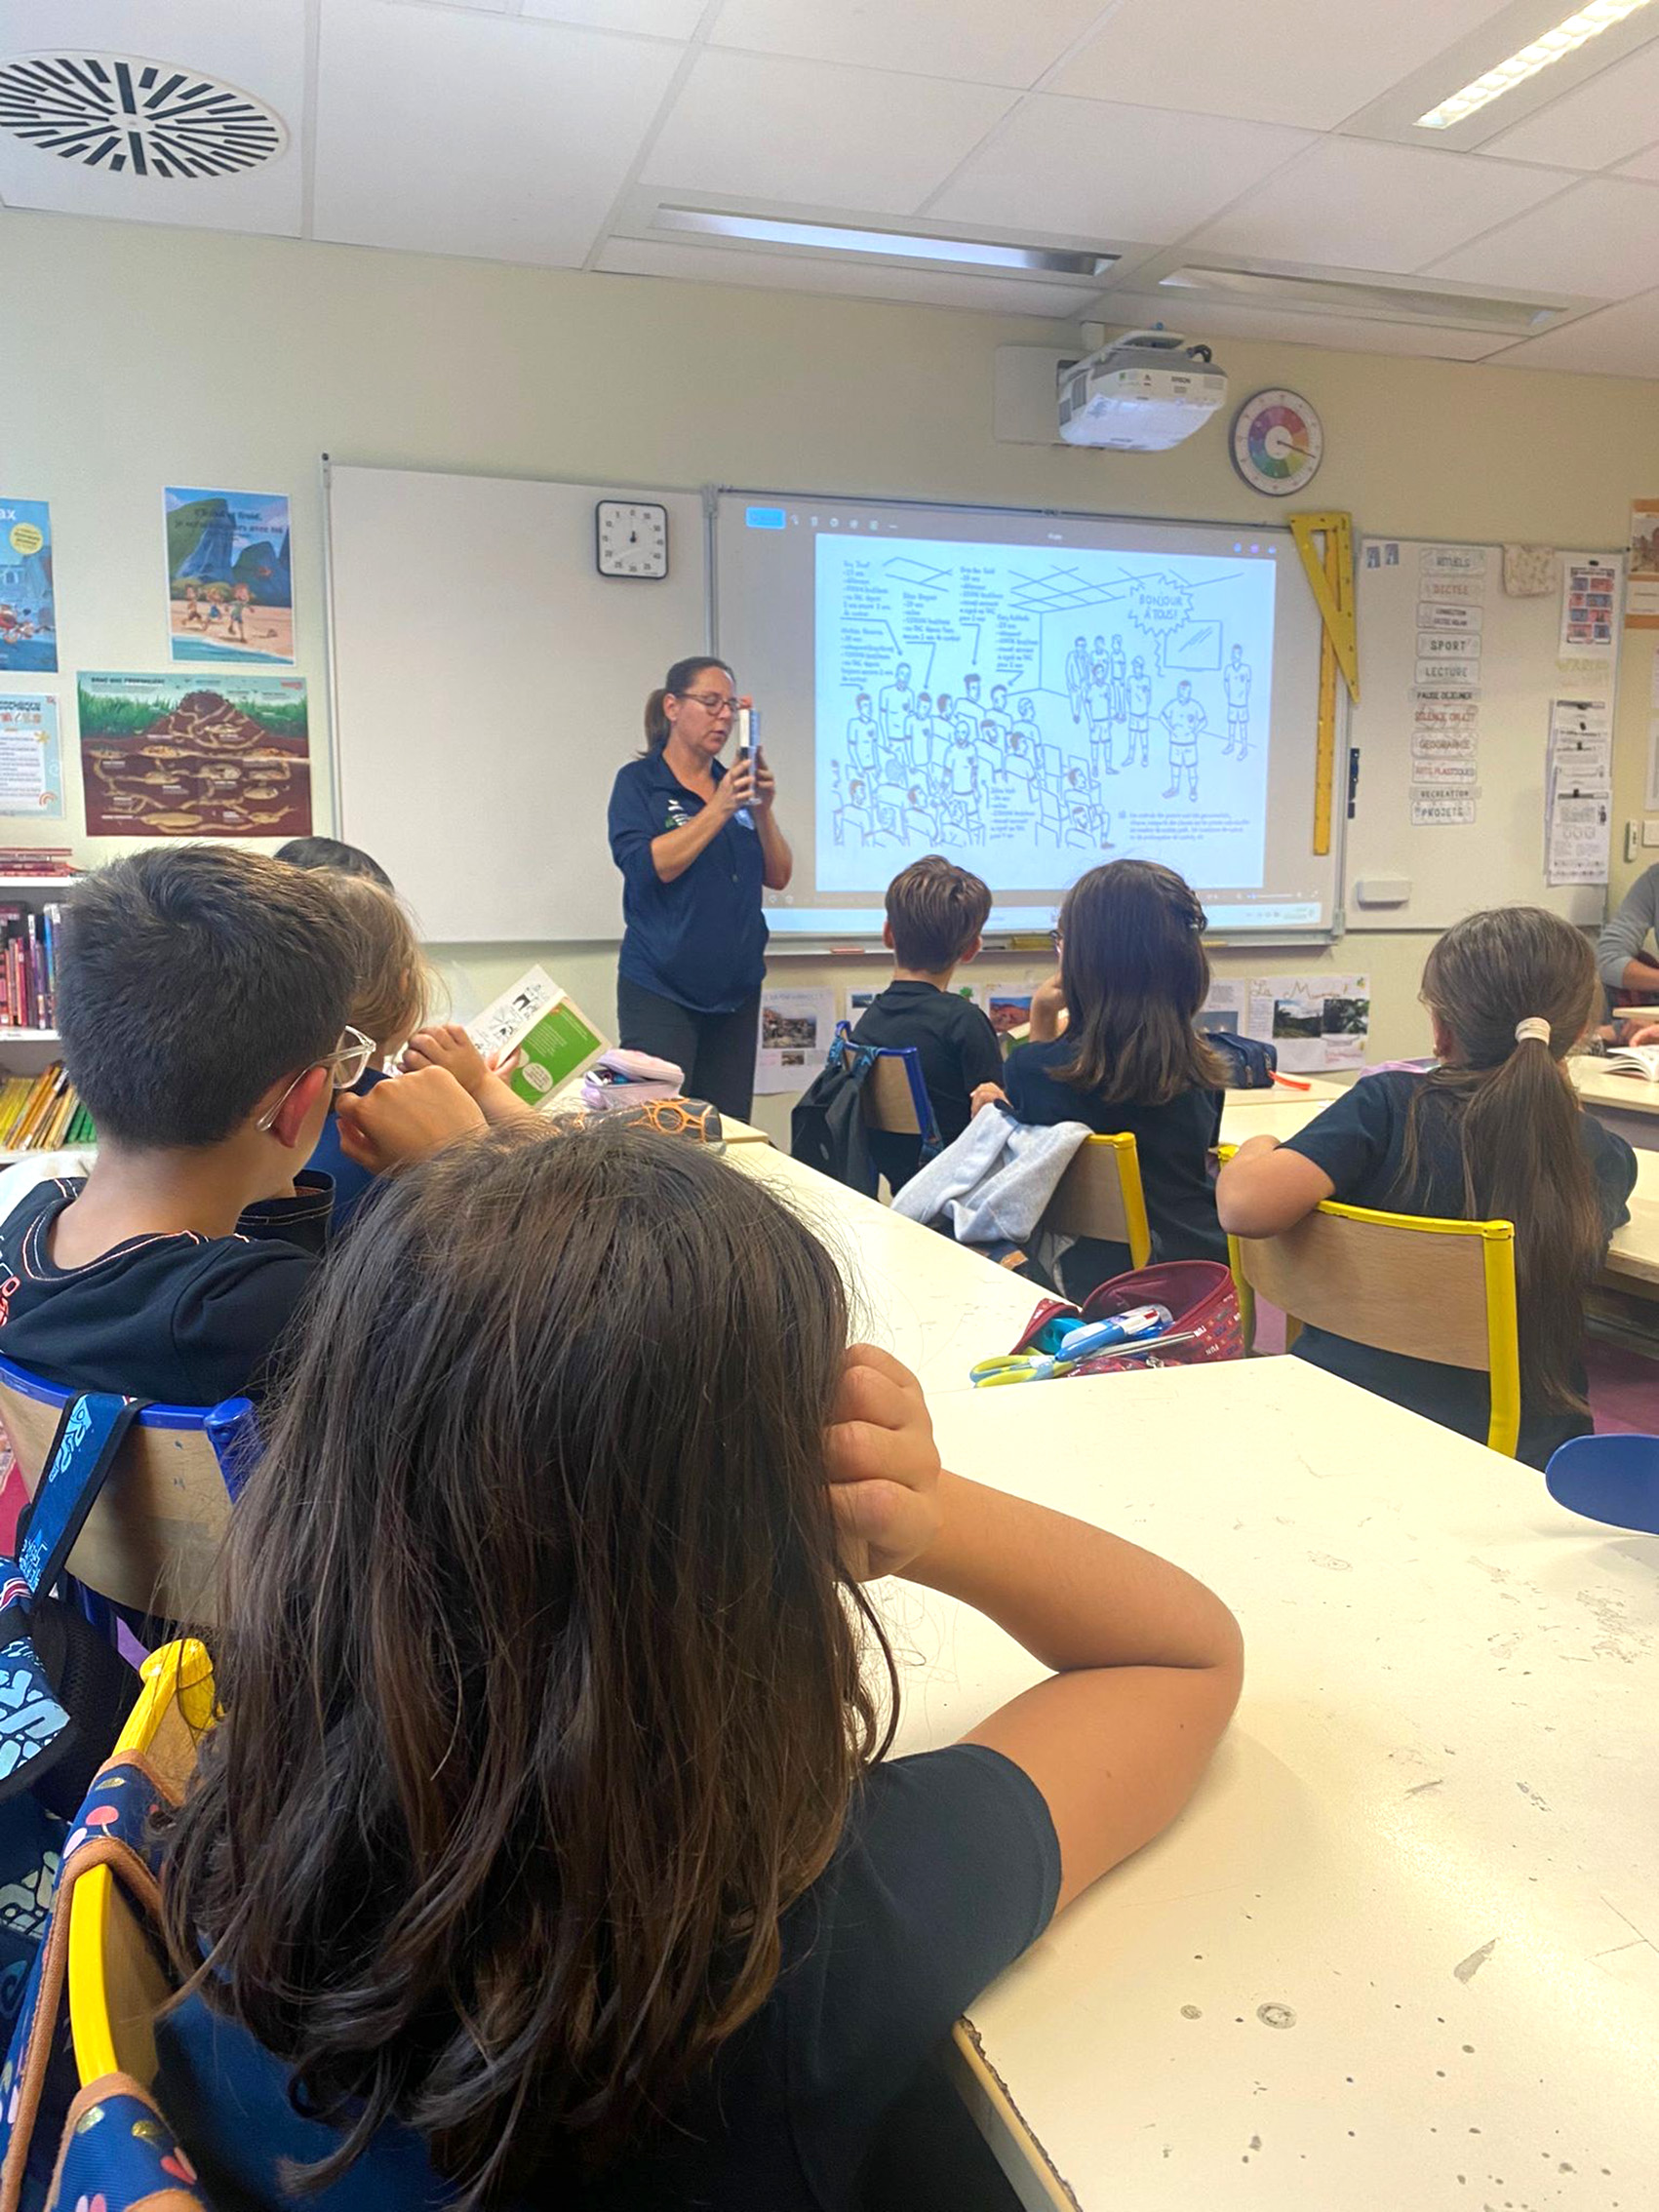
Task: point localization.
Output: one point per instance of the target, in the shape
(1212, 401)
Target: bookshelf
(29, 1047)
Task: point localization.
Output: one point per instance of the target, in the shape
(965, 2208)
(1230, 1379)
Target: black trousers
(716, 1051)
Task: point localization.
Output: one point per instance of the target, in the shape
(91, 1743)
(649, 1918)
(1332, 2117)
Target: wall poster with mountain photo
(229, 581)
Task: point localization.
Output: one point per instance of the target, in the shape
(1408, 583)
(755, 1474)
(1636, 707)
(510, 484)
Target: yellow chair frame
(118, 1981)
(1393, 1281)
(1100, 1195)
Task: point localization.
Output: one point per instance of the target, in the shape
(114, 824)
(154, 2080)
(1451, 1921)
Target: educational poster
(1590, 601)
(1008, 1008)
(1578, 792)
(29, 617)
(229, 584)
(31, 761)
(1314, 1022)
(796, 1031)
(182, 756)
(1652, 793)
(1006, 703)
(1641, 591)
(1224, 1009)
(1446, 699)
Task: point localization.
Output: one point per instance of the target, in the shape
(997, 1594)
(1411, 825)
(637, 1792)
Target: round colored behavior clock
(1278, 443)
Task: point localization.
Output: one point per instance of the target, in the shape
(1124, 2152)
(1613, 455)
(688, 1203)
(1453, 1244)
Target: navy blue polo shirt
(700, 940)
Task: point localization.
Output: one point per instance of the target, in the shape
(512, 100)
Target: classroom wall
(138, 356)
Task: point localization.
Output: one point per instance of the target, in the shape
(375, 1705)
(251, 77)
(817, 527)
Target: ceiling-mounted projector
(1141, 394)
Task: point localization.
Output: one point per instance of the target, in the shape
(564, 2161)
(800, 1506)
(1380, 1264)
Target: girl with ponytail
(1494, 1132)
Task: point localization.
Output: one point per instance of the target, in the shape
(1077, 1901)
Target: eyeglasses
(345, 1065)
(712, 702)
(1056, 938)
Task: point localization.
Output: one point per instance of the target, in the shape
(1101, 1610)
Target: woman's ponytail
(680, 678)
(1515, 988)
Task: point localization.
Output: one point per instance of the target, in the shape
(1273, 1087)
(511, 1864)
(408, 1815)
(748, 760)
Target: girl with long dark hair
(546, 1851)
(1493, 1132)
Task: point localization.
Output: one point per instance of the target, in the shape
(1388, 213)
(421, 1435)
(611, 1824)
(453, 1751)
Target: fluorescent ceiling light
(1576, 30)
(1380, 301)
(906, 246)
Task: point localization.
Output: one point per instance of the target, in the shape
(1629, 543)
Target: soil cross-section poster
(173, 755)
(229, 586)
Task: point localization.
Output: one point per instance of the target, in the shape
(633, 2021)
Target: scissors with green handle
(1018, 1368)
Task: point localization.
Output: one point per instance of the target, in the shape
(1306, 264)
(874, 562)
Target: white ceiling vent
(118, 113)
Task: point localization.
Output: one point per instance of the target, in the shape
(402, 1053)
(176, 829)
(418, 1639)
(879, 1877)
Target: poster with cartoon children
(229, 578)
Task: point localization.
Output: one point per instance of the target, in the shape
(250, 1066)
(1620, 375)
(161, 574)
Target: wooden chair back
(894, 1098)
(1426, 1290)
(151, 1540)
(1100, 1195)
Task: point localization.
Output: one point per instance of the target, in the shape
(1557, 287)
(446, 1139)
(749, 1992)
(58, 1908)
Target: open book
(541, 1021)
(1635, 1060)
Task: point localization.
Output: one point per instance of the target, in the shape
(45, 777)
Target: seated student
(1133, 977)
(547, 1839)
(1494, 1132)
(391, 990)
(203, 994)
(332, 853)
(934, 916)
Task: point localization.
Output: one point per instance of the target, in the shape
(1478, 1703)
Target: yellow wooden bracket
(1331, 578)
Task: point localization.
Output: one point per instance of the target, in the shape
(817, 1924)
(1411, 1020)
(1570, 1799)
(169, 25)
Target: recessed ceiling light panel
(128, 116)
(884, 245)
(1569, 34)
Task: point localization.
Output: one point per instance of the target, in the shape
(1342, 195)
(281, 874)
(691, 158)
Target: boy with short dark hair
(936, 913)
(202, 998)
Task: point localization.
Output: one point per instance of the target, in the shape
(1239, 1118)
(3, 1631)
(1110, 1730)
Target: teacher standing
(696, 843)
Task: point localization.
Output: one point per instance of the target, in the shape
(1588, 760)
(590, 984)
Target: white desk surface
(1321, 1090)
(1597, 1085)
(1402, 1950)
(935, 1305)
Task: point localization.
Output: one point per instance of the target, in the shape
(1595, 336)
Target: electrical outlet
(1651, 834)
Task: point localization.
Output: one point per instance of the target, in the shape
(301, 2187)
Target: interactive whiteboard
(1029, 694)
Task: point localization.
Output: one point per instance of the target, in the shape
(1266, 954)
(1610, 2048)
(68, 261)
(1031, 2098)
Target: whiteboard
(1499, 859)
(488, 683)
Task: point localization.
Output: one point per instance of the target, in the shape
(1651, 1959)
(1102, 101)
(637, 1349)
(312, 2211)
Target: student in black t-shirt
(1113, 1043)
(547, 1841)
(1494, 1132)
(203, 998)
(934, 916)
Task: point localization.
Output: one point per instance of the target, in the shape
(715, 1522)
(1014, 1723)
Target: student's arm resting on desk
(1268, 1187)
(1147, 1663)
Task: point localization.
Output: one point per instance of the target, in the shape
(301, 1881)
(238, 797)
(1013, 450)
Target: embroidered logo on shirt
(676, 816)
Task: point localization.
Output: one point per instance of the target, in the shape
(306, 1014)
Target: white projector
(1142, 394)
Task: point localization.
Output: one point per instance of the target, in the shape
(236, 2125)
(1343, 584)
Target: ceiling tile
(1277, 326)
(258, 50)
(507, 140)
(1619, 341)
(866, 280)
(988, 41)
(1358, 204)
(1306, 62)
(778, 130)
(1089, 169)
(662, 19)
(1600, 123)
(1599, 239)
(1645, 165)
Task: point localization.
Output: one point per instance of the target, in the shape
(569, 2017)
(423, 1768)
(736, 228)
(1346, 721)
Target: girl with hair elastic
(547, 1851)
(1494, 1132)
(696, 841)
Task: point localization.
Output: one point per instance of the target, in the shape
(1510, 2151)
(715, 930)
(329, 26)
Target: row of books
(40, 1113)
(36, 860)
(28, 966)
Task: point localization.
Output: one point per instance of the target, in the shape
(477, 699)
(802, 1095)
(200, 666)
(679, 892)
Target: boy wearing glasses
(202, 1000)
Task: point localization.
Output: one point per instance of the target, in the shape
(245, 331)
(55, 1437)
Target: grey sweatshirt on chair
(995, 1181)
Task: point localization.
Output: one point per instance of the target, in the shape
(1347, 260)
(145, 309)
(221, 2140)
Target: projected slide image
(1030, 710)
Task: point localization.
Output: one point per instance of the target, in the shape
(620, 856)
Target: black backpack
(827, 1128)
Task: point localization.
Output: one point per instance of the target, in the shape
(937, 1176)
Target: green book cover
(545, 1024)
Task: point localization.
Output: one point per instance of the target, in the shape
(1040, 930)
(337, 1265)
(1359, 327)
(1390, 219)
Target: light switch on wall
(1633, 840)
(1650, 833)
